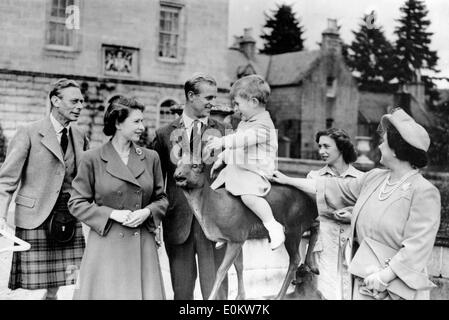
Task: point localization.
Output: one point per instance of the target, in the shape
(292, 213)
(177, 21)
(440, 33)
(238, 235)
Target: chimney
(417, 90)
(248, 44)
(236, 44)
(403, 98)
(331, 37)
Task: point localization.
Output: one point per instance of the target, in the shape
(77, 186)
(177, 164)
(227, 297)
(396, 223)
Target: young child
(250, 153)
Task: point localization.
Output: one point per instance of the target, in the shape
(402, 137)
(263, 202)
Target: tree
(413, 40)
(370, 55)
(286, 32)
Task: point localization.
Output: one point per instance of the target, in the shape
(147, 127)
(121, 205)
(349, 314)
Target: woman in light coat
(119, 193)
(396, 207)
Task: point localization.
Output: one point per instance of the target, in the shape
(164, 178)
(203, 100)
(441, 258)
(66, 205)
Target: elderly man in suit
(183, 237)
(41, 163)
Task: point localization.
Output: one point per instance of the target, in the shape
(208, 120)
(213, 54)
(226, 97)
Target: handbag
(373, 253)
(61, 227)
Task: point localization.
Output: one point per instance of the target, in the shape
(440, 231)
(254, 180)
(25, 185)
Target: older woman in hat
(396, 213)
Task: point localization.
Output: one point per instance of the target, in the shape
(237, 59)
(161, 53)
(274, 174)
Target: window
(59, 34)
(169, 32)
(165, 113)
(331, 85)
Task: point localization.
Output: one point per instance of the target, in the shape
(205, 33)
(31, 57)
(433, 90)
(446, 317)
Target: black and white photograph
(243, 151)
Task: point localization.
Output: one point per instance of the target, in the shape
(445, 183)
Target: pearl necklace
(384, 195)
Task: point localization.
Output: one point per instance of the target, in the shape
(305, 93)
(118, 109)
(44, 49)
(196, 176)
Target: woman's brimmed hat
(412, 132)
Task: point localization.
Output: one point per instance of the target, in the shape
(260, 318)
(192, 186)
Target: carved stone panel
(120, 61)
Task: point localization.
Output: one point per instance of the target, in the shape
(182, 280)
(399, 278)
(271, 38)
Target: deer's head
(190, 175)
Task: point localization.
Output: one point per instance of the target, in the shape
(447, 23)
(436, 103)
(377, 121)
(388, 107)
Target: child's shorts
(239, 181)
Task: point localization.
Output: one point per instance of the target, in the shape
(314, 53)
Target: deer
(305, 285)
(224, 217)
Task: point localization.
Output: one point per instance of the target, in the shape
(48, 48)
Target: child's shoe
(276, 232)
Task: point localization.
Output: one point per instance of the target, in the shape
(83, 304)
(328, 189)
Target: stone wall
(23, 98)
(130, 23)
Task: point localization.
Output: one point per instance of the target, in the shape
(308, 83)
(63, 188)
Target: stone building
(144, 49)
(372, 105)
(311, 90)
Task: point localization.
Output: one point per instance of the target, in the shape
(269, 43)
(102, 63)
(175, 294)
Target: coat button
(119, 193)
(137, 205)
(121, 235)
(136, 233)
(138, 192)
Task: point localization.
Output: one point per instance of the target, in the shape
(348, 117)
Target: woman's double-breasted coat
(119, 262)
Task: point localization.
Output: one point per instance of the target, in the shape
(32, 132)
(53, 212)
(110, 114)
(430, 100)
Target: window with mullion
(169, 32)
(58, 33)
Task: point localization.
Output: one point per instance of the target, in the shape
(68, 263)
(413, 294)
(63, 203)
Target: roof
(372, 106)
(281, 69)
(237, 61)
(292, 67)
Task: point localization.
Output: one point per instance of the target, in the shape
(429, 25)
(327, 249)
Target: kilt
(47, 264)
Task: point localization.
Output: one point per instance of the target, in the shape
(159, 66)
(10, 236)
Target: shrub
(3, 145)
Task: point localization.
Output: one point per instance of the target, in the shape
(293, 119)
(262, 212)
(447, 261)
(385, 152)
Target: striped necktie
(195, 142)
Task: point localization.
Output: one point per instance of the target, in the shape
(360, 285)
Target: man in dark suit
(41, 162)
(184, 239)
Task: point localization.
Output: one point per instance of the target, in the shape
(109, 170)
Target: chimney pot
(331, 37)
(332, 24)
(248, 44)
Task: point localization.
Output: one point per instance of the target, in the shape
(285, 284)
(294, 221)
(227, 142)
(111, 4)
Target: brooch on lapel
(139, 151)
(406, 186)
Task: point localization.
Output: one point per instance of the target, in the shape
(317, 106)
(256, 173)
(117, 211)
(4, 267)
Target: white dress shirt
(58, 127)
(188, 123)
